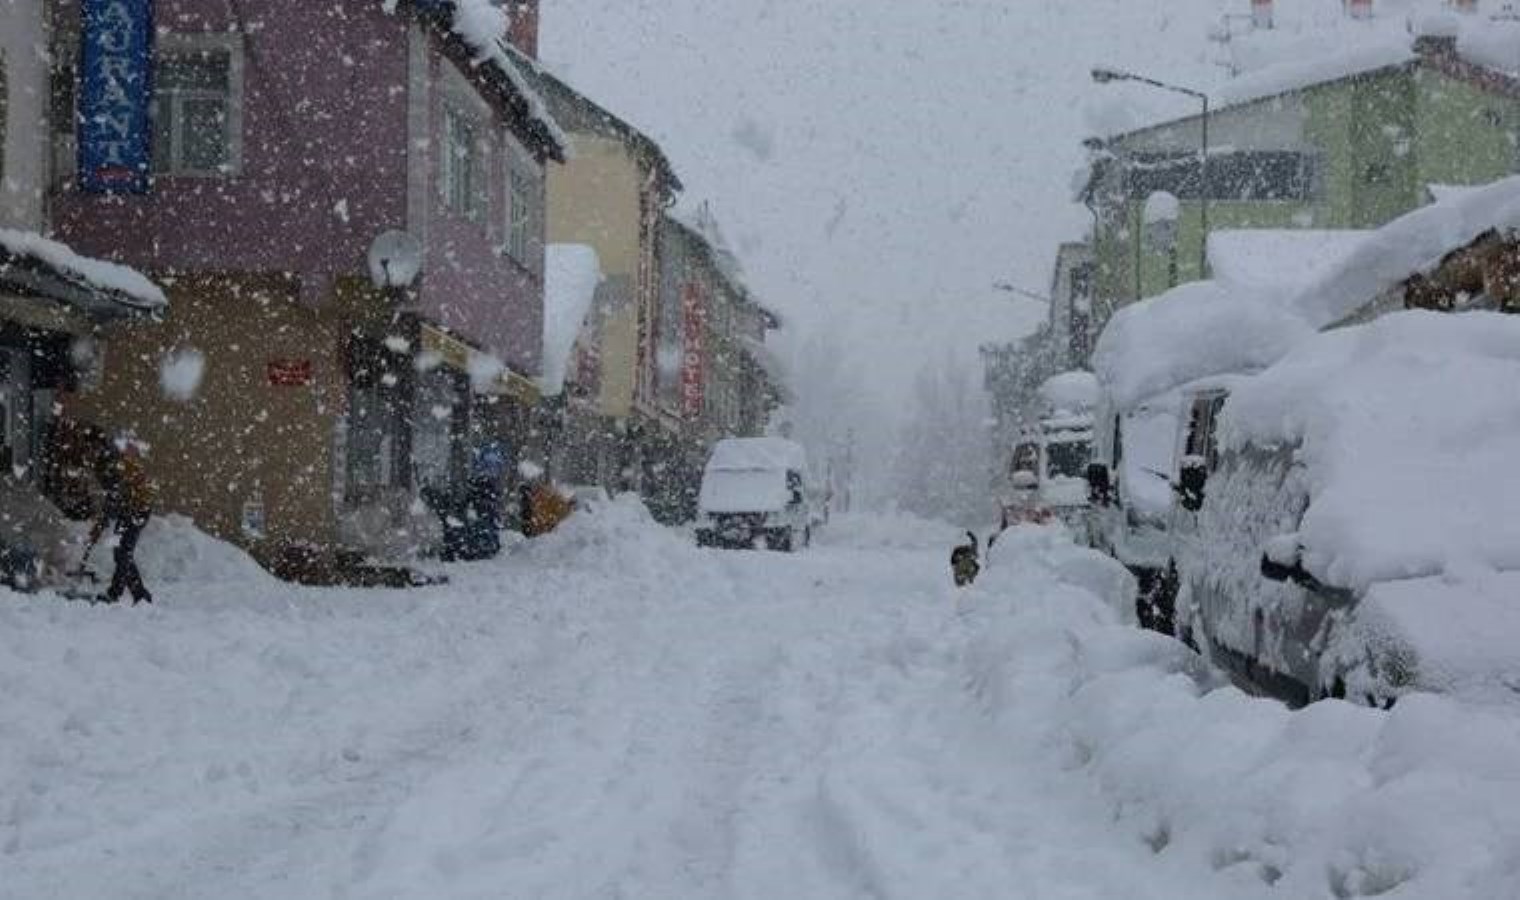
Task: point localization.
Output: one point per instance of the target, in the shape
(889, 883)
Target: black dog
(963, 562)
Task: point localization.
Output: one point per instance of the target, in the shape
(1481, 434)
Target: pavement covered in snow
(611, 712)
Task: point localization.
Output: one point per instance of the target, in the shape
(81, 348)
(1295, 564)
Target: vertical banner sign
(115, 88)
(694, 354)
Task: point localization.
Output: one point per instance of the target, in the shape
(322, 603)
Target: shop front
(50, 312)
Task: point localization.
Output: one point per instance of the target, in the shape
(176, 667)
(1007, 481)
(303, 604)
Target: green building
(1351, 151)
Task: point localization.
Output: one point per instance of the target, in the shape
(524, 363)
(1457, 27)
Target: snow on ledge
(572, 273)
(98, 273)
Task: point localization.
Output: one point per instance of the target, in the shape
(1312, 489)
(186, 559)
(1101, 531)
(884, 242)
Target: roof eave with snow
(490, 58)
(101, 290)
(560, 94)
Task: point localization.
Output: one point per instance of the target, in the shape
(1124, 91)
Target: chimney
(1359, 9)
(1465, 6)
(523, 30)
(1261, 14)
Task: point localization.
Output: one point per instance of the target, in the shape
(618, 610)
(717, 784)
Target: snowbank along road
(611, 712)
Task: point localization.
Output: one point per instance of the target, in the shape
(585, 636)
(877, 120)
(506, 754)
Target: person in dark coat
(127, 506)
(483, 506)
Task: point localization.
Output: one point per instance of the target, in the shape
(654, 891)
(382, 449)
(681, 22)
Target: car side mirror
(1099, 485)
(1191, 479)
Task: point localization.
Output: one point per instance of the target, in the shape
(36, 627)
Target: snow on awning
(109, 289)
(1413, 243)
(572, 273)
(1279, 261)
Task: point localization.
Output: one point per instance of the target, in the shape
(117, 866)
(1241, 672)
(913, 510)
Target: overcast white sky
(877, 164)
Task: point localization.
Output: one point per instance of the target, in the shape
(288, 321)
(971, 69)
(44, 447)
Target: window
(1202, 440)
(519, 214)
(196, 121)
(461, 168)
(1067, 459)
(4, 112)
(1242, 175)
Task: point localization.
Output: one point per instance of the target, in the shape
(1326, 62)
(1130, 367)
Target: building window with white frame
(462, 178)
(519, 213)
(196, 108)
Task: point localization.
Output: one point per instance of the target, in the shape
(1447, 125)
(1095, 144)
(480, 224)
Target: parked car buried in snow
(1149, 357)
(758, 491)
(1355, 535)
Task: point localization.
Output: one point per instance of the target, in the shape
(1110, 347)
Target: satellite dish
(395, 260)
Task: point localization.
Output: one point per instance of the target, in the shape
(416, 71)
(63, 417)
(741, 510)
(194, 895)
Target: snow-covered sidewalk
(611, 712)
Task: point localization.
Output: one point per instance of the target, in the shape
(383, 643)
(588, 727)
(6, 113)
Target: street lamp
(1105, 75)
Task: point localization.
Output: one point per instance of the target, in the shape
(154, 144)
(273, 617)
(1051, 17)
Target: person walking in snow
(128, 505)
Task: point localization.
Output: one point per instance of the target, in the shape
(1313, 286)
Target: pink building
(286, 138)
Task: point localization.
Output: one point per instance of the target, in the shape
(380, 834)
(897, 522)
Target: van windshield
(1067, 459)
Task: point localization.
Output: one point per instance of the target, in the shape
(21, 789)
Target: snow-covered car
(1046, 473)
(1355, 532)
(758, 491)
(1148, 358)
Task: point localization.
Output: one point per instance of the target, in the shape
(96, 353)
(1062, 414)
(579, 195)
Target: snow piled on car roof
(757, 453)
(1190, 332)
(1409, 428)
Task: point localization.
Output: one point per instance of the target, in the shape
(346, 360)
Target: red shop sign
(290, 372)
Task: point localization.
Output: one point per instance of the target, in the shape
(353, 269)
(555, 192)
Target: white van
(758, 492)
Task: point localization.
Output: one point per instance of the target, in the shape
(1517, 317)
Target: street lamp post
(1103, 75)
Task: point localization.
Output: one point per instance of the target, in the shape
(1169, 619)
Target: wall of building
(323, 151)
(470, 285)
(1465, 136)
(1381, 138)
(23, 68)
(594, 200)
(239, 438)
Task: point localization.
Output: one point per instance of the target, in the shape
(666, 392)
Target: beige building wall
(239, 438)
(594, 199)
(24, 75)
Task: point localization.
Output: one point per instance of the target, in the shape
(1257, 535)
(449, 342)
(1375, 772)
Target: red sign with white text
(694, 350)
(290, 372)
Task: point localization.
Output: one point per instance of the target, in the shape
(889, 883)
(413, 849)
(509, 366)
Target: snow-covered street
(611, 712)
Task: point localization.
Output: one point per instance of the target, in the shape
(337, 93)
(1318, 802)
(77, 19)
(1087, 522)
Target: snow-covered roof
(1409, 428)
(1298, 74)
(1313, 44)
(131, 287)
(575, 112)
(572, 273)
(757, 453)
(1278, 260)
(1190, 332)
(483, 27)
(699, 220)
(1412, 243)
